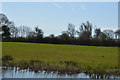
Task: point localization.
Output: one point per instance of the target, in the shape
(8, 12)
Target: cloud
(57, 5)
(82, 7)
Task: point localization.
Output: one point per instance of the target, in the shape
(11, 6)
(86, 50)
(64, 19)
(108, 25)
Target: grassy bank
(97, 62)
(53, 53)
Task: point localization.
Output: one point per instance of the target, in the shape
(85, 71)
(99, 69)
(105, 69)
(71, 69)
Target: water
(15, 73)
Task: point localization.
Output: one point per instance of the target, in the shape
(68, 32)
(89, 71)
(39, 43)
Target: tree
(3, 20)
(103, 36)
(97, 32)
(6, 25)
(31, 34)
(85, 31)
(71, 30)
(13, 30)
(109, 33)
(51, 36)
(64, 36)
(39, 32)
(117, 34)
(23, 31)
(5, 33)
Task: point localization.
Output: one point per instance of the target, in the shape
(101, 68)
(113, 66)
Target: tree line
(87, 34)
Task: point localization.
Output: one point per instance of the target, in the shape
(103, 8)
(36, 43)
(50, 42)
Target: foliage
(83, 36)
(7, 58)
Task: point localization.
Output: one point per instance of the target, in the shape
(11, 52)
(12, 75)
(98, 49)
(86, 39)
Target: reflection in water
(15, 73)
(0, 72)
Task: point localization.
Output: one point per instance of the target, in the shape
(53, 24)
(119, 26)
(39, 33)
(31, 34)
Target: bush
(7, 58)
(68, 63)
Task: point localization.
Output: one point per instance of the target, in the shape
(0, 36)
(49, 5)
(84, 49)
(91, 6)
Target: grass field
(53, 53)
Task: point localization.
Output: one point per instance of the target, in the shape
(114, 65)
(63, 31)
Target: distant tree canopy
(85, 35)
(97, 33)
(85, 31)
(71, 30)
(117, 34)
(6, 34)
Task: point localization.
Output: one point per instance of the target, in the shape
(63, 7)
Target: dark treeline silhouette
(87, 34)
(83, 36)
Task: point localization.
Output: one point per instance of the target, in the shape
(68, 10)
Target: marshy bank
(62, 68)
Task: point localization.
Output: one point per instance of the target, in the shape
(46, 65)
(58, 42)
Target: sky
(53, 17)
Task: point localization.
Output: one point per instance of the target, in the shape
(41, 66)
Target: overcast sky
(53, 17)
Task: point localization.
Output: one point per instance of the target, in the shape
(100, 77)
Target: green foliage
(7, 58)
(7, 61)
(23, 64)
(6, 34)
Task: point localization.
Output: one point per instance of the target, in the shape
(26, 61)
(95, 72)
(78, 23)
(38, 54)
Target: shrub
(68, 63)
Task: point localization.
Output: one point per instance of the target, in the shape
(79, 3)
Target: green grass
(53, 53)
